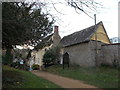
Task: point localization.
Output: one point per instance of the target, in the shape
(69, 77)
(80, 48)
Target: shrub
(51, 56)
(16, 64)
(35, 67)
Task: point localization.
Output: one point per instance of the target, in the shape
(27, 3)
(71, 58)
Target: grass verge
(14, 78)
(102, 77)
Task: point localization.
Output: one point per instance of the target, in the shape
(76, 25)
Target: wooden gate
(65, 59)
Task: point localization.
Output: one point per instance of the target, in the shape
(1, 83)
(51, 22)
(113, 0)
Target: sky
(69, 21)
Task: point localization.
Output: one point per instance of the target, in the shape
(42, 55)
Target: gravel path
(62, 81)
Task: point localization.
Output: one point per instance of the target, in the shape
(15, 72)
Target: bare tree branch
(86, 6)
(55, 8)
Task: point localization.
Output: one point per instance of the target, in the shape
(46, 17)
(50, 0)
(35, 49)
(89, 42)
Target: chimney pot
(56, 29)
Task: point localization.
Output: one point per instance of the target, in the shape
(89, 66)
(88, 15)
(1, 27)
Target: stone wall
(80, 54)
(107, 54)
(110, 54)
(96, 51)
(88, 55)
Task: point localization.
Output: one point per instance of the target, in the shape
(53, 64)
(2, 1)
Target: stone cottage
(48, 42)
(84, 46)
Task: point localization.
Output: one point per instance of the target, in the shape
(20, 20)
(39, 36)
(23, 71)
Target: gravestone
(65, 59)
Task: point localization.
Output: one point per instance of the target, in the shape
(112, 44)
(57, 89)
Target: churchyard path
(64, 82)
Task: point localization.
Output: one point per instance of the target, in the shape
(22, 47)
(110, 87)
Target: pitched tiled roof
(47, 41)
(79, 36)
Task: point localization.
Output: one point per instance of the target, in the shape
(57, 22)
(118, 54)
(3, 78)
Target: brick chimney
(56, 29)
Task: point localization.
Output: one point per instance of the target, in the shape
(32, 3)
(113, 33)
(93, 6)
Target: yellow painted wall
(101, 35)
(39, 55)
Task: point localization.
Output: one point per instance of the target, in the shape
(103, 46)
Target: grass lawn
(14, 78)
(102, 77)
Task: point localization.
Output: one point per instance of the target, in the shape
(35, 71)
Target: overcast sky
(70, 21)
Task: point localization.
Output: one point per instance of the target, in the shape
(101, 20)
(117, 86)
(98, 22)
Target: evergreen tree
(23, 23)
